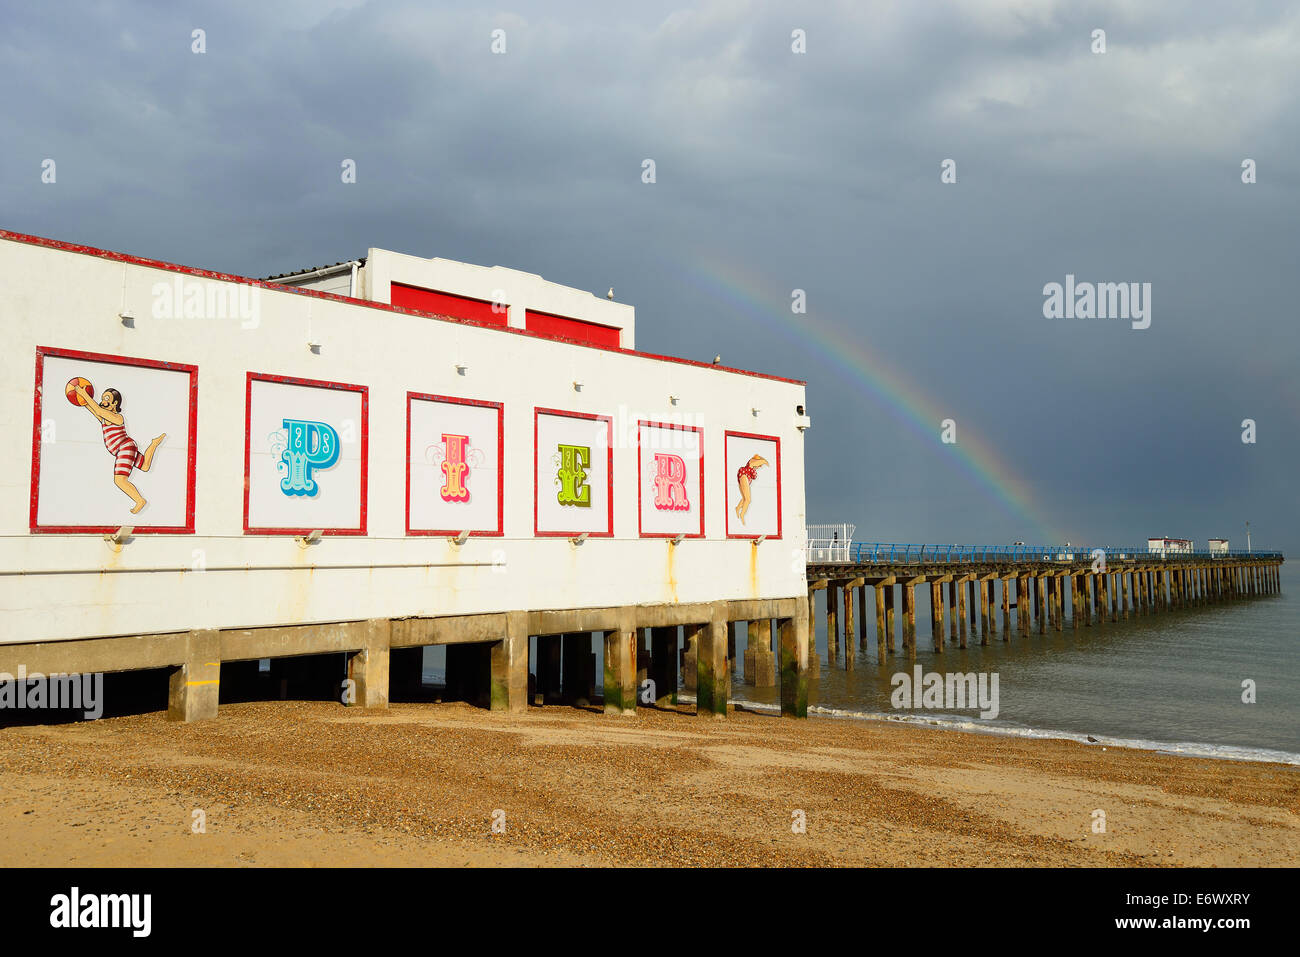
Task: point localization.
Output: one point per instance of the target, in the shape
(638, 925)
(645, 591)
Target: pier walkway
(1038, 588)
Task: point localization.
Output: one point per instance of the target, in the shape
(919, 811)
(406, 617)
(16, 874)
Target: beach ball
(72, 384)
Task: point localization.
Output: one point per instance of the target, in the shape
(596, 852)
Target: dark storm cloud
(817, 171)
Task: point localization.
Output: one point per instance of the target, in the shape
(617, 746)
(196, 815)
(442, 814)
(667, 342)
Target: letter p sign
(310, 446)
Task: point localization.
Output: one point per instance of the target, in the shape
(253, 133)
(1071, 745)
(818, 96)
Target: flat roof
(273, 286)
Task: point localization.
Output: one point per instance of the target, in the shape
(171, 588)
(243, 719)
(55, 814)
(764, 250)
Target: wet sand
(315, 784)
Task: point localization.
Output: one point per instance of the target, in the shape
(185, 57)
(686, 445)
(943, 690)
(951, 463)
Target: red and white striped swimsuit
(126, 452)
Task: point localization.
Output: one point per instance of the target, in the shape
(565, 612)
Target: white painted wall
(67, 300)
(519, 290)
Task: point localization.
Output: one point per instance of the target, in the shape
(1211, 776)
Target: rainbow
(870, 375)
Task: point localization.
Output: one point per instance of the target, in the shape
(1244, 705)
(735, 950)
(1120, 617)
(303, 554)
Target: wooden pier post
(936, 615)
(1043, 604)
(986, 587)
(953, 617)
(1051, 602)
(1058, 600)
(909, 617)
(961, 610)
(850, 629)
(862, 616)
(880, 622)
(1123, 595)
(832, 624)
(890, 631)
(813, 660)
(970, 587)
(1006, 608)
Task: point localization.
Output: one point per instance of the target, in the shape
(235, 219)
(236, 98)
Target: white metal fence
(830, 543)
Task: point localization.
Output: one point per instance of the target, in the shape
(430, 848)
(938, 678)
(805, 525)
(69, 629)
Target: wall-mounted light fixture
(672, 400)
(577, 385)
(117, 539)
(461, 368)
(579, 539)
(459, 539)
(760, 540)
(754, 413)
(311, 538)
(677, 539)
(124, 314)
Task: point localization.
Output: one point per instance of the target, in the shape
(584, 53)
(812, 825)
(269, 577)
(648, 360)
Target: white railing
(830, 543)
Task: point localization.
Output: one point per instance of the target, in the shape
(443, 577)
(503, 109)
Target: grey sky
(775, 171)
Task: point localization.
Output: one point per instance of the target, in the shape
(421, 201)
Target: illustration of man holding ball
(126, 454)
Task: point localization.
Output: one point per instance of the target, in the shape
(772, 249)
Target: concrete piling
(368, 668)
(760, 663)
(194, 687)
(622, 668)
(663, 665)
(794, 638)
(712, 674)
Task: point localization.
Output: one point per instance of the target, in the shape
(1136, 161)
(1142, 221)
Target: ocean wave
(1190, 749)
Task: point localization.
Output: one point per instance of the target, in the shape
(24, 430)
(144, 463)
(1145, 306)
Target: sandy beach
(315, 784)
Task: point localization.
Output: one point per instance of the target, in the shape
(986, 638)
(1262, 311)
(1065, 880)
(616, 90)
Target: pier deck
(1031, 585)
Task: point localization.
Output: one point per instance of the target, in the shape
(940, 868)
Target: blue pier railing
(904, 553)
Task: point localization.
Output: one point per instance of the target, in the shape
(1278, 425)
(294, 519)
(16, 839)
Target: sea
(1219, 680)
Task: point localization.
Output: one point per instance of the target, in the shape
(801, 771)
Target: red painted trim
(193, 371)
(385, 307)
(640, 487)
(365, 449)
(501, 447)
(726, 460)
(477, 311)
(566, 327)
(609, 496)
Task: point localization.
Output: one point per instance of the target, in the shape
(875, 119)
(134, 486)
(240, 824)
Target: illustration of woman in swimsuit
(126, 454)
(746, 474)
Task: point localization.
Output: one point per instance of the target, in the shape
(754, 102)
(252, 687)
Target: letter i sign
(455, 468)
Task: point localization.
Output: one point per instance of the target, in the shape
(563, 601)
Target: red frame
(609, 477)
(727, 476)
(365, 448)
(640, 485)
(501, 448)
(193, 371)
(11, 236)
